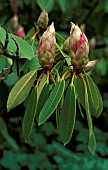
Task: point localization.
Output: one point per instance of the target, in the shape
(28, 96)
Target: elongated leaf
(92, 95)
(92, 143)
(80, 108)
(92, 140)
(80, 91)
(87, 107)
(41, 85)
(2, 35)
(68, 59)
(48, 4)
(42, 98)
(21, 89)
(68, 115)
(60, 38)
(4, 132)
(29, 115)
(100, 108)
(25, 50)
(52, 102)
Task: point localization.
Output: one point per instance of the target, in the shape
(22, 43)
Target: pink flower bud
(43, 19)
(79, 47)
(20, 32)
(47, 46)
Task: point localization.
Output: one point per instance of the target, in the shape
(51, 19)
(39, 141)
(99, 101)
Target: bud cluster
(76, 45)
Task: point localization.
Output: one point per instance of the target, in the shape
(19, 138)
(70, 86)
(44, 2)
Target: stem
(47, 76)
(40, 77)
(58, 77)
(35, 34)
(73, 76)
(51, 76)
(4, 52)
(84, 82)
(65, 73)
(89, 119)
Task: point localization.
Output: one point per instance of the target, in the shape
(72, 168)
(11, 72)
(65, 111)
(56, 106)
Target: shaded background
(44, 149)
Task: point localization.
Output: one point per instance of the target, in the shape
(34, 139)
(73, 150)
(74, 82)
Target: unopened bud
(47, 46)
(20, 32)
(43, 19)
(79, 47)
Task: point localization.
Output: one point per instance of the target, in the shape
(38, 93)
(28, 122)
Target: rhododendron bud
(43, 19)
(47, 46)
(79, 47)
(20, 32)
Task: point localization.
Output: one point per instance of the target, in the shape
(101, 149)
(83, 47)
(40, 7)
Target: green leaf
(2, 35)
(42, 98)
(83, 97)
(30, 33)
(4, 132)
(92, 143)
(29, 115)
(32, 64)
(68, 59)
(79, 86)
(41, 85)
(48, 4)
(52, 102)
(92, 140)
(21, 89)
(87, 107)
(60, 38)
(94, 97)
(25, 50)
(100, 108)
(67, 115)
(64, 5)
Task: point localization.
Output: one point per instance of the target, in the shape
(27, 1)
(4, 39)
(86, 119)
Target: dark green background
(44, 149)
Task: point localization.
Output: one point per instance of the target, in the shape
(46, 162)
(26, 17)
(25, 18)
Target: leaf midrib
(22, 89)
(50, 104)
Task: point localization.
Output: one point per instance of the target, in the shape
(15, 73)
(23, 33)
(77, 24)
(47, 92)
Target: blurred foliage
(43, 150)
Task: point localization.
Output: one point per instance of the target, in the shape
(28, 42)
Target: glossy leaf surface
(42, 98)
(92, 143)
(94, 97)
(21, 89)
(29, 115)
(52, 102)
(25, 50)
(67, 115)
